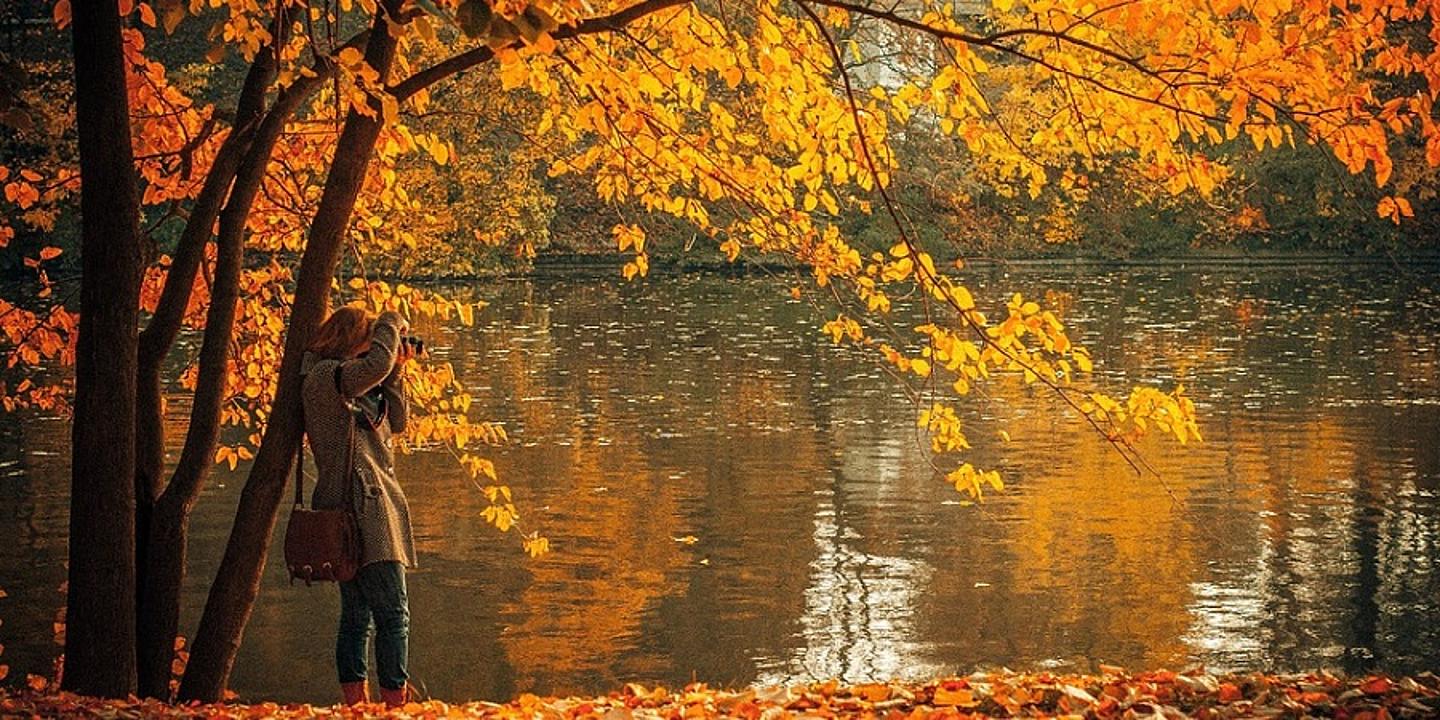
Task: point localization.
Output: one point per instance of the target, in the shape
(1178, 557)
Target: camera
(415, 344)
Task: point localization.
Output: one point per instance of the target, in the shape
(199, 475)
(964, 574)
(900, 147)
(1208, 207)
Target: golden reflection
(616, 496)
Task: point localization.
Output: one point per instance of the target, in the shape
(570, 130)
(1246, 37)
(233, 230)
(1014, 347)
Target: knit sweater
(382, 513)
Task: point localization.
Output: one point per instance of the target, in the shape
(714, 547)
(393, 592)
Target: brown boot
(354, 693)
(395, 698)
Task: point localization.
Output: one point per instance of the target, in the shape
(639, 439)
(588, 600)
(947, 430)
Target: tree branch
(422, 79)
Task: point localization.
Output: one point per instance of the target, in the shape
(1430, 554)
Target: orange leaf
(1229, 693)
(960, 697)
(873, 692)
(1375, 686)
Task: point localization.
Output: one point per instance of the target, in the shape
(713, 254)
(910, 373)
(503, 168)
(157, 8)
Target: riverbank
(1111, 694)
(559, 264)
(610, 264)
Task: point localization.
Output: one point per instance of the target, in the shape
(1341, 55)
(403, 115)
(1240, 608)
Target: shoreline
(602, 265)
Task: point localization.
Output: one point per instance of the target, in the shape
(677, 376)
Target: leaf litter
(1113, 693)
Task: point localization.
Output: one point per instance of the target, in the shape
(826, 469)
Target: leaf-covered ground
(1113, 694)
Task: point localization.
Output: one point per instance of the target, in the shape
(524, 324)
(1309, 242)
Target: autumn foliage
(749, 131)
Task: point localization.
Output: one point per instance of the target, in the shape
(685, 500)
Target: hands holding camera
(410, 347)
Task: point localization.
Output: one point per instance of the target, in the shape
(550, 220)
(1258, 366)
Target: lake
(732, 499)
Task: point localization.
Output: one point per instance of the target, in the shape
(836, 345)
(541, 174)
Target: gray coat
(382, 512)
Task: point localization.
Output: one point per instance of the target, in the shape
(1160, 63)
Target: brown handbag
(324, 545)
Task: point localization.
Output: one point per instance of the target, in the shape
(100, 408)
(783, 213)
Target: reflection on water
(1302, 533)
(856, 623)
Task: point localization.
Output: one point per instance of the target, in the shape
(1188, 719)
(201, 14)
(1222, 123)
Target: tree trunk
(100, 632)
(164, 326)
(232, 596)
(155, 345)
(156, 340)
(164, 573)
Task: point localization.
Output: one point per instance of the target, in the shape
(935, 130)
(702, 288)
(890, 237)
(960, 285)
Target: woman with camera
(354, 401)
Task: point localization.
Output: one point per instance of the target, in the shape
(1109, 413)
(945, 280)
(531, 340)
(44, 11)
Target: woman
(352, 412)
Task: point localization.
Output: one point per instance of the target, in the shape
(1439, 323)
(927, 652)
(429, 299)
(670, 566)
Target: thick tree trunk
(159, 596)
(232, 596)
(100, 631)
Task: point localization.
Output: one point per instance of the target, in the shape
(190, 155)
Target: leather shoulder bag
(324, 545)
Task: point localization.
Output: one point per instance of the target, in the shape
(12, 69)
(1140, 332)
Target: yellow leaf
(962, 297)
(535, 545)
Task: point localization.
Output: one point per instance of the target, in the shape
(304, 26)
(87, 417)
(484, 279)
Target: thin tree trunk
(159, 597)
(164, 326)
(100, 631)
(232, 596)
(155, 343)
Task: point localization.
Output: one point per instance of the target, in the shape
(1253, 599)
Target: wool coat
(381, 510)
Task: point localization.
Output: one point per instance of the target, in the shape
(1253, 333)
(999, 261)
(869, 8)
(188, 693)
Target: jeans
(374, 598)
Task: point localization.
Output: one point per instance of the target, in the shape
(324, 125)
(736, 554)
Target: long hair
(343, 332)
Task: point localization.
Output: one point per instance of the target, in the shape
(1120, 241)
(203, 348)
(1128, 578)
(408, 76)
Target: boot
(395, 698)
(354, 693)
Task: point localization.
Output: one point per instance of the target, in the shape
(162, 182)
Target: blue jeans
(374, 598)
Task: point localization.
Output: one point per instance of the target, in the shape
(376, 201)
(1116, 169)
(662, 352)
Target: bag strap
(348, 498)
(300, 458)
(300, 468)
(348, 489)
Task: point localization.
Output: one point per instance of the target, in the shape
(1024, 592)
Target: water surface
(1302, 533)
